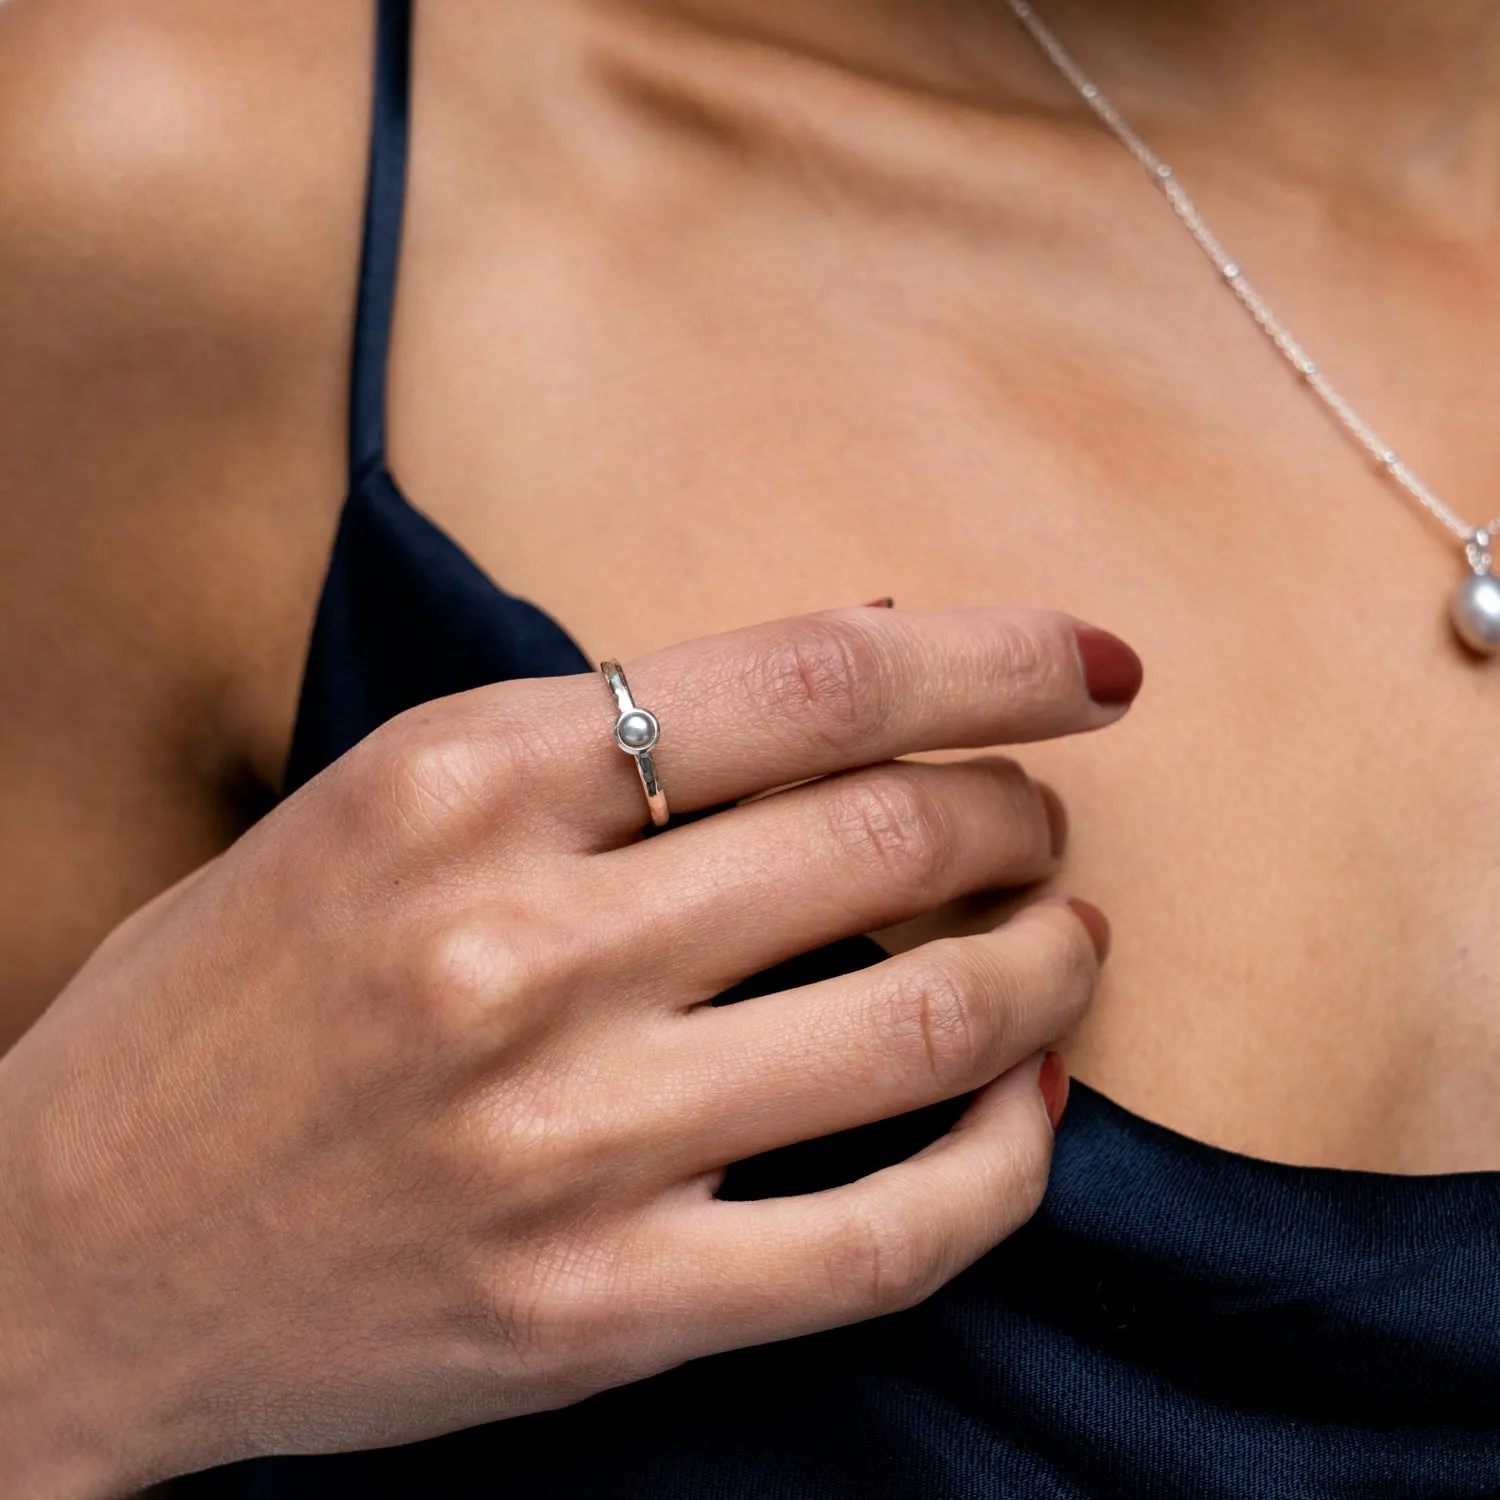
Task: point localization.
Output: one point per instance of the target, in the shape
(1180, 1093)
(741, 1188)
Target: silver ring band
(636, 733)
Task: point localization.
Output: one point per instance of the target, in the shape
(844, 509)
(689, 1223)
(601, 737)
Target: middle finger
(733, 894)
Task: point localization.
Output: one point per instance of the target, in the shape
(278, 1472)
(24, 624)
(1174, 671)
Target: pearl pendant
(1476, 613)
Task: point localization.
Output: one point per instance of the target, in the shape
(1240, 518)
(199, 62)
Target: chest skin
(709, 315)
(700, 326)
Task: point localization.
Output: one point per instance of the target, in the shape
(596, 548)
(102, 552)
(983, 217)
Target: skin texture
(708, 317)
(716, 312)
(441, 1113)
(918, 329)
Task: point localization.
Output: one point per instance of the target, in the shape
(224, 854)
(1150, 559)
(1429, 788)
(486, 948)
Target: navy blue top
(1176, 1321)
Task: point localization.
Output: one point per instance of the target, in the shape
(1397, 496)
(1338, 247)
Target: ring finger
(930, 1024)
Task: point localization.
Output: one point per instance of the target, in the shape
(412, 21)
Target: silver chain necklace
(1475, 610)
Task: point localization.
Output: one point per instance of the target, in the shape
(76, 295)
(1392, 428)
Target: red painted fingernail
(886, 603)
(1096, 923)
(1111, 670)
(1052, 1080)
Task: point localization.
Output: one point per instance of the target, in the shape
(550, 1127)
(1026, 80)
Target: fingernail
(1111, 670)
(1052, 1080)
(1096, 923)
(1057, 818)
(886, 603)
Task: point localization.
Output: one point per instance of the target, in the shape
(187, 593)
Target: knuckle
(569, 1312)
(892, 823)
(884, 1263)
(525, 1148)
(462, 973)
(435, 769)
(945, 1008)
(827, 677)
(502, 976)
(431, 782)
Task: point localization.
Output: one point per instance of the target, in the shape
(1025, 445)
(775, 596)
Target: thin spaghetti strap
(384, 203)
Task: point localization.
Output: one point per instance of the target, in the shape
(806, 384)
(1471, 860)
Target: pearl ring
(636, 733)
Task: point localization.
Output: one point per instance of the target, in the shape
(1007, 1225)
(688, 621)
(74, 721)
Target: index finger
(769, 705)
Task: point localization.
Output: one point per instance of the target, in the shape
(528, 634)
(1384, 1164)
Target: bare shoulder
(180, 190)
(150, 133)
(179, 219)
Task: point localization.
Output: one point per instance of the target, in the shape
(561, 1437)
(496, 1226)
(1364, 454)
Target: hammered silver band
(636, 733)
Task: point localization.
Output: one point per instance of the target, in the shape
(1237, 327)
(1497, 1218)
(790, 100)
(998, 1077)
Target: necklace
(1475, 609)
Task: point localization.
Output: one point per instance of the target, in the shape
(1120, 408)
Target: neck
(1399, 97)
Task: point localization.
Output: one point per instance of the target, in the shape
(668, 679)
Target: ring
(636, 733)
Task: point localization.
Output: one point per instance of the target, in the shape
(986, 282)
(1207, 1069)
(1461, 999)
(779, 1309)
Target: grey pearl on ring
(1476, 613)
(636, 730)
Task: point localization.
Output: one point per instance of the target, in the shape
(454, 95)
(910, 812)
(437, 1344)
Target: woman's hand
(407, 1113)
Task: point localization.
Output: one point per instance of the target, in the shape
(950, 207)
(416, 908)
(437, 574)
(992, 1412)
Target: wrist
(78, 1403)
